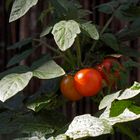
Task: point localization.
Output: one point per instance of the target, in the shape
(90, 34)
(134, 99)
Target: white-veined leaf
(87, 126)
(126, 116)
(108, 99)
(64, 33)
(20, 7)
(12, 84)
(49, 70)
(106, 112)
(91, 30)
(46, 31)
(59, 137)
(131, 92)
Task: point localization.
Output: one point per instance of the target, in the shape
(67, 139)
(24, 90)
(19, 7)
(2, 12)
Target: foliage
(77, 43)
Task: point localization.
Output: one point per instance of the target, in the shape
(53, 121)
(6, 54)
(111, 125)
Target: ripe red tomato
(88, 81)
(110, 70)
(68, 90)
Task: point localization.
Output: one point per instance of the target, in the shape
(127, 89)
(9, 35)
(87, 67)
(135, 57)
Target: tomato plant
(68, 89)
(88, 82)
(71, 41)
(110, 69)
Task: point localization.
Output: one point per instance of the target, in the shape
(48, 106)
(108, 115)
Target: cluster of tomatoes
(89, 81)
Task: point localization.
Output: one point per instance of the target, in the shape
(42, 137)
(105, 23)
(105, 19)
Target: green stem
(54, 50)
(96, 41)
(78, 51)
(107, 24)
(71, 58)
(127, 131)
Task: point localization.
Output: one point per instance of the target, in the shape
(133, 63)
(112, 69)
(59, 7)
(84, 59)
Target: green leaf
(119, 13)
(67, 10)
(48, 103)
(20, 7)
(127, 51)
(128, 33)
(65, 33)
(108, 8)
(125, 129)
(46, 31)
(16, 102)
(6, 126)
(118, 107)
(8, 4)
(131, 92)
(136, 23)
(43, 123)
(135, 109)
(46, 97)
(12, 84)
(87, 126)
(91, 30)
(20, 44)
(131, 63)
(19, 57)
(82, 13)
(132, 11)
(110, 40)
(45, 12)
(40, 61)
(64, 4)
(48, 71)
(50, 86)
(25, 123)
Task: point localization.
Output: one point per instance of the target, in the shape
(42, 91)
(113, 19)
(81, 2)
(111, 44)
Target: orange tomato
(68, 90)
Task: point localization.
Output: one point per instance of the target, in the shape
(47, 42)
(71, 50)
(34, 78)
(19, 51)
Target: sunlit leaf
(130, 92)
(91, 30)
(126, 116)
(46, 31)
(12, 84)
(49, 70)
(20, 7)
(108, 99)
(59, 137)
(65, 33)
(87, 126)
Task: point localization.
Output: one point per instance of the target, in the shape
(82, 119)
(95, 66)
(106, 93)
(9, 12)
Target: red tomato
(88, 82)
(110, 70)
(68, 90)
